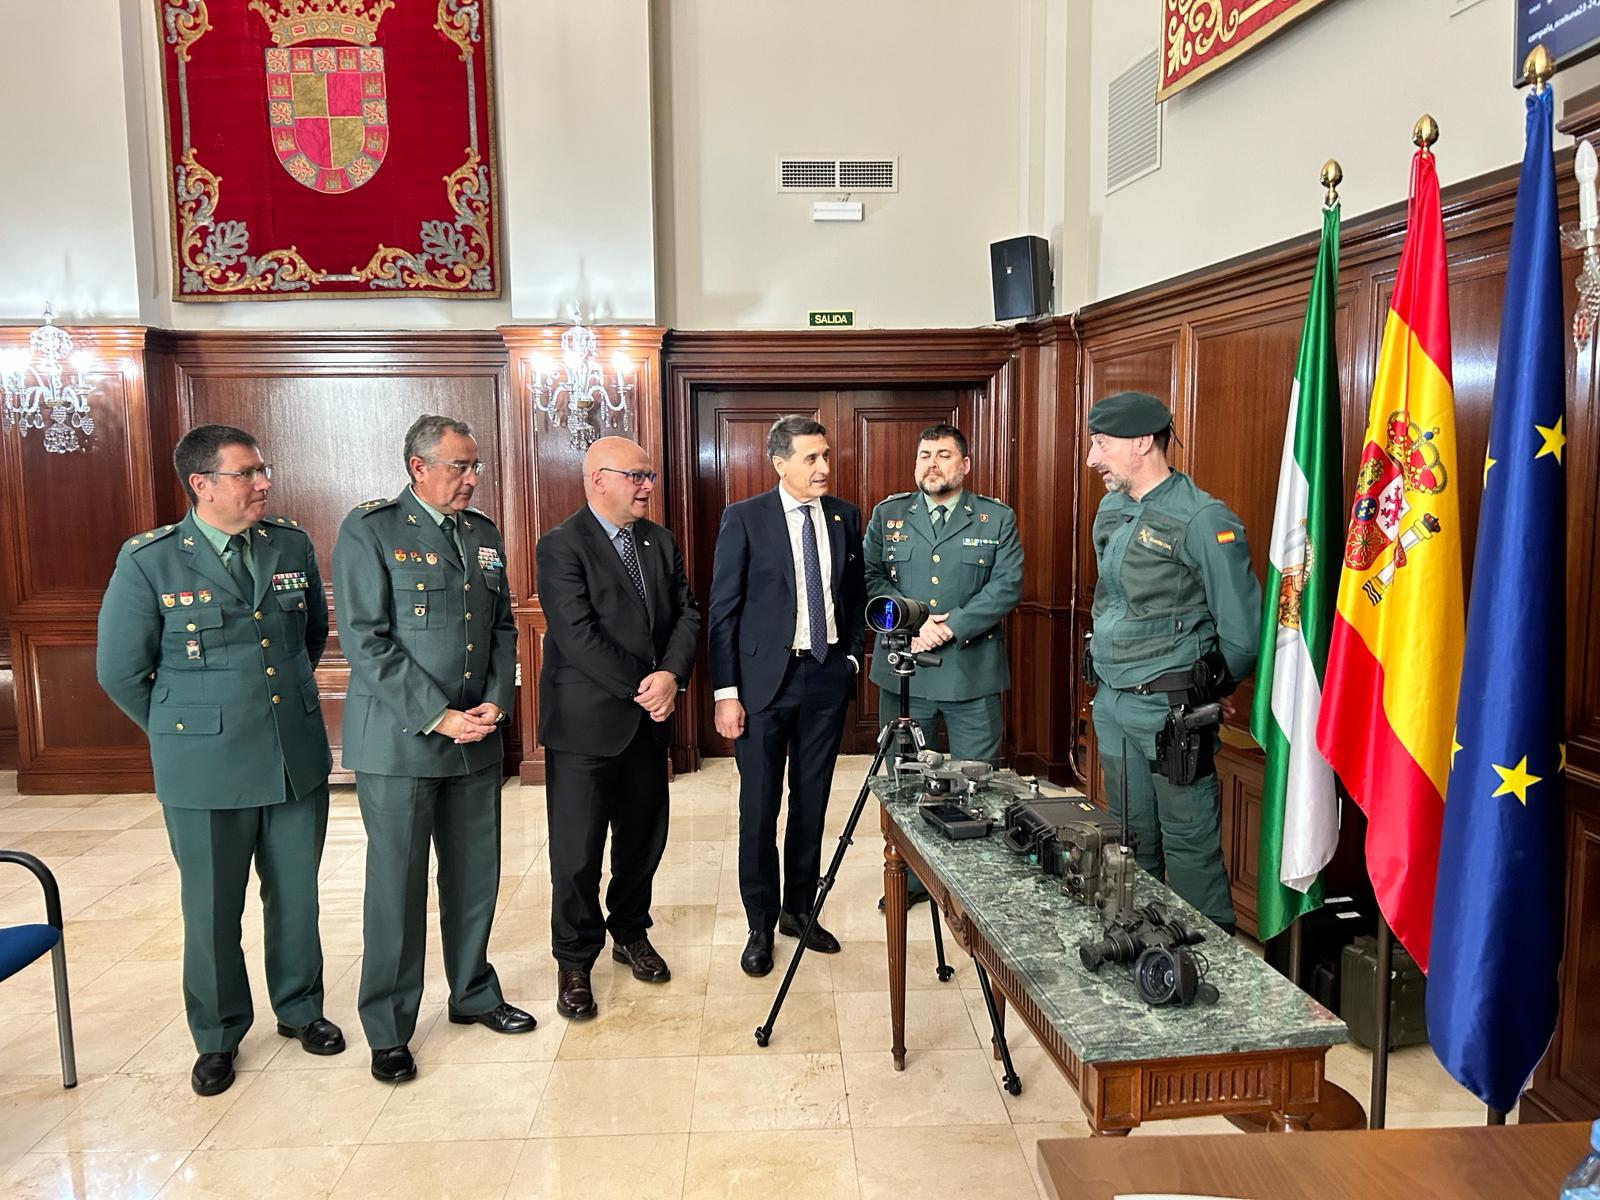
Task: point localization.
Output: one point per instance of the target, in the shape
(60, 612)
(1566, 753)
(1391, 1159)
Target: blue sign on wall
(1569, 29)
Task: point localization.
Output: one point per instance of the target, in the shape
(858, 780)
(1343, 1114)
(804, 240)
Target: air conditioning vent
(838, 174)
(1133, 124)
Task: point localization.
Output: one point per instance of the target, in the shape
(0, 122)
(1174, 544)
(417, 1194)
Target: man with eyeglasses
(210, 631)
(425, 622)
(618, 648)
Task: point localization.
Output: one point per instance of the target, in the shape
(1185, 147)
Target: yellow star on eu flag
(1487, 463)
(1554, 439)
(1515, 781)
(1455, 748)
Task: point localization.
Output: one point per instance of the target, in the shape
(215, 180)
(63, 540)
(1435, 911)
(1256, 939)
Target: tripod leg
(824, 886)
(1013, 1083)
(945, 970)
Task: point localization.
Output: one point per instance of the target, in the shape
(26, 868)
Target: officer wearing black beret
(1177, 611)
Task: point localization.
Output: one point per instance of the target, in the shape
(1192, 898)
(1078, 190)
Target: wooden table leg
(894, 916)
(999, 1020)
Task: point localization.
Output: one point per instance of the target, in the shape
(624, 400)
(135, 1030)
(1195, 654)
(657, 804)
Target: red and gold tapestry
(1198, 36)
(339, 148)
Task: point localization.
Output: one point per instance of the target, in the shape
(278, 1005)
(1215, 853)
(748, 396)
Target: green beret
(1129, 415)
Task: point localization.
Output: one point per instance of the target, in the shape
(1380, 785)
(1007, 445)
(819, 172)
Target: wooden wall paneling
(550, 469)
(66, 516)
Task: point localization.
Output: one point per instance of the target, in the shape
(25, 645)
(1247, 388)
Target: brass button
(180, 726)
(469, 674)
(275, 699)
(272, 670)
(422, 587)
(933, 604)
(258, 614)
(466, 587)
(935, 558)
(469, 616)
(935, 581)
(980, 562)
(265, 642)
(469, 647)
(302, 604)
(190, 626)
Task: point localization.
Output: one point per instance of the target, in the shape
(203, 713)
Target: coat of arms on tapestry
(330, 148)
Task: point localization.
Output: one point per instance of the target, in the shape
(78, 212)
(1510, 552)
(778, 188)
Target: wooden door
(873, 433)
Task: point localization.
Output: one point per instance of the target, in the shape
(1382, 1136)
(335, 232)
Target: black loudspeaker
(1021, 269)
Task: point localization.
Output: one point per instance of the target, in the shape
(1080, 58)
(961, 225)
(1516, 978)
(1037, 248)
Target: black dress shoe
(820, 940)
(757, 957)
(574, 995)
(648, 966)
(213, 1073)
(321, 1036)
(394, 1065)
(502, 1018)
(912, 898)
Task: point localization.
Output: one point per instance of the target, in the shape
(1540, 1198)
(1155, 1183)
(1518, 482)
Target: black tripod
(905, 736)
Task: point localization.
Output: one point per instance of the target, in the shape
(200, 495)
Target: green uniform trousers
(1179, 829)
(460, 816)
(973, 727)
(213, 848)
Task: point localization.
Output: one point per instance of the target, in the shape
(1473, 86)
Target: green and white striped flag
(1299, 808)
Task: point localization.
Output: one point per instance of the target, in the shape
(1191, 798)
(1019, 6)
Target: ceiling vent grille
(838, 174)
(1133, 124)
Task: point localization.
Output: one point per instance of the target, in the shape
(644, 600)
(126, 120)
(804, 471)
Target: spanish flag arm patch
(1225, 536)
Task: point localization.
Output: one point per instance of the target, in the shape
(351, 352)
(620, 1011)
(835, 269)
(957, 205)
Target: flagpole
(1380, 1051)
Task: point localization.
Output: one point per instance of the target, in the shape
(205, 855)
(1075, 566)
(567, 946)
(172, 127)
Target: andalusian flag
(1394, 661)
(1299, 808)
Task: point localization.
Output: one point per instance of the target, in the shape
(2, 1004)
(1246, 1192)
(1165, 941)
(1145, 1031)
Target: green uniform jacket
(221, 683)
(973, 572)
(423, 632)
(1174, 583)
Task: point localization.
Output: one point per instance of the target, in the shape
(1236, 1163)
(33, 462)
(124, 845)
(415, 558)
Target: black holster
(1186, 743)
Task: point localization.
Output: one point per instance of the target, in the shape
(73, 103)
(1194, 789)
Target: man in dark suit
(425, 621)
(618, 648)
(786, 632)
(210, 632)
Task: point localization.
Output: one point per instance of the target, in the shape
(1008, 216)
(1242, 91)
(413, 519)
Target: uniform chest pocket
(898, 557)
(418, 598)
(978, 560)
(192, 639)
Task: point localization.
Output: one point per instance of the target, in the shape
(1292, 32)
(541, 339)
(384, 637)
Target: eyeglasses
(637, 478)
(249, 474)
(461, 468)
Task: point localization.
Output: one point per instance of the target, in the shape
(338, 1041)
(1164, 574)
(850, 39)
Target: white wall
(66, 221)
(741, 83)
(1241, 149)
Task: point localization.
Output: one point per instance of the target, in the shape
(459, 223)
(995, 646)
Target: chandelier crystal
(37, 384)
(573, 392)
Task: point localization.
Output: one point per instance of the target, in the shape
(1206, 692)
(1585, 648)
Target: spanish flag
(1394, 660)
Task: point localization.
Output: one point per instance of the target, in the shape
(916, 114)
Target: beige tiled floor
(665, 1094)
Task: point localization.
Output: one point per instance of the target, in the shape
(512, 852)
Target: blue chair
(22, 944)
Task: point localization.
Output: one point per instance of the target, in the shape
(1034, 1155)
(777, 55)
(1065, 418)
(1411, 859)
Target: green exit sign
(831, 318)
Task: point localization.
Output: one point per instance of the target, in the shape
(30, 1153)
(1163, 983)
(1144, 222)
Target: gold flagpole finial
(1332, 176)
(1538, 67)
(1425, 132)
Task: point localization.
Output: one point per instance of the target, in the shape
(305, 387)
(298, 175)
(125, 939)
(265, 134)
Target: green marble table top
(1021, 913)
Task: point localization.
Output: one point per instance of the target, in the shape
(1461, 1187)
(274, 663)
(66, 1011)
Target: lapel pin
(188, 541)
(261, 533)
(411, 519)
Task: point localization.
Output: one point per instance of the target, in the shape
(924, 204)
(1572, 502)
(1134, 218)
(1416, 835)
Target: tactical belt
(1174, 684)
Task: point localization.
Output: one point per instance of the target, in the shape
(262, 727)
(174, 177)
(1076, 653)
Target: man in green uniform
(1176, 614)
(959, 552)
(209, 632)
(425, 621)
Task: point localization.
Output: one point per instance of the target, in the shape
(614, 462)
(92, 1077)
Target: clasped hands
(932, 635)
(657, 694)
(463, 726)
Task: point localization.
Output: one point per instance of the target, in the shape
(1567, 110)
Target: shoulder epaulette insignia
(372, 506)
(290, 522)
(374, 503)
(478, 512)
(150, 535)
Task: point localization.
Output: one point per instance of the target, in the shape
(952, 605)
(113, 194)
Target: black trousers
(800, 729)
(586, 794)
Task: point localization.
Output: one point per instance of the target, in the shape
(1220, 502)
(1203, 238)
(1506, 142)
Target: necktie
(630, 559)
(815, 614)
(938, 520)
(238, 569)
(448, 524)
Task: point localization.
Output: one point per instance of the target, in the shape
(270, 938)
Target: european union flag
(1498, 907)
